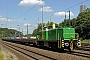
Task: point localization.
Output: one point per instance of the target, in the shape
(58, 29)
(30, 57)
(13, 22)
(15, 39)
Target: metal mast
(27, 30)
(42, 21)
(65, 15)
(42, 17)
(69, 18)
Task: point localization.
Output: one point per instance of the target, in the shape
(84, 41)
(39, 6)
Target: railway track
(34, 55)
(42, 54)
(85, 47)
(83, 51)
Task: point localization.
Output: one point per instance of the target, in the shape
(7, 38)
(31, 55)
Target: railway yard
(29, 52)
(27, 34)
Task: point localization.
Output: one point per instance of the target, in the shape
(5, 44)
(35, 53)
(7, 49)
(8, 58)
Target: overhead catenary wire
(28, 10)
(52, 14)
(76, 5)
(67, 8)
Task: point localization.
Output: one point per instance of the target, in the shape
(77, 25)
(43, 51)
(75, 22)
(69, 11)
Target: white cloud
(12, 28)
(62, 14)
(6, 19)
(25, 24)
(46, 9)
(31, 2)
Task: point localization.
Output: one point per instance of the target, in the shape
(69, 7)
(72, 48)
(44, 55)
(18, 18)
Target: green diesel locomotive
(63, 38)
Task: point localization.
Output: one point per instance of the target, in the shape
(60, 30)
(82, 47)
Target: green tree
(81, 23)
(5, 32)
(49, 23)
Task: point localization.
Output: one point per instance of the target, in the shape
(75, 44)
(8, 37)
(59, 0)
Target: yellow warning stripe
(71, 45)
(62, 44)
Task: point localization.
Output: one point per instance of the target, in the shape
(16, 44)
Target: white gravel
(8, 55)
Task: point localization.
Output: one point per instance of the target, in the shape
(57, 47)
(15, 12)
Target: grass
(1, 55)
(86, 41)
(0, 38)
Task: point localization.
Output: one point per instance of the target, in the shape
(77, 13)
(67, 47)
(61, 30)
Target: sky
(15, 14)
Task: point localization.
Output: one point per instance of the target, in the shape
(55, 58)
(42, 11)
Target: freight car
(63, 38)
(31, 40)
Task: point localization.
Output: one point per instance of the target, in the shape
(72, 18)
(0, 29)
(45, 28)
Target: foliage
(85, 41)
(49, 23)
(35, 32)
(81, 24)
(65, 23)
(1, 55)
(5, 32)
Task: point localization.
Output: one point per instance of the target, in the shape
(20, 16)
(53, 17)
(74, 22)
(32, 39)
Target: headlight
(62, 40)
(66, 44)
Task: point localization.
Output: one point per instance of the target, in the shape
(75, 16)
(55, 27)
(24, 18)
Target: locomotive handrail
(69, 33)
